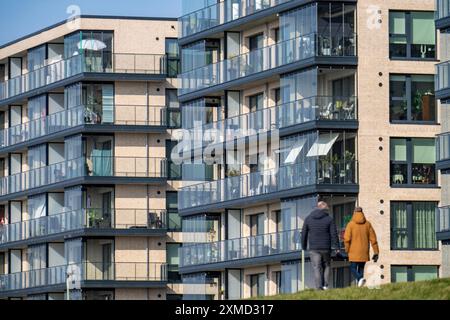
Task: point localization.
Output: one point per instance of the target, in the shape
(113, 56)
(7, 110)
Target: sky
(22, 17)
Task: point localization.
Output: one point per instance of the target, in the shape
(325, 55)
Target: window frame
(409, 163)
(409, 100)
(410, 223)
(408, 34)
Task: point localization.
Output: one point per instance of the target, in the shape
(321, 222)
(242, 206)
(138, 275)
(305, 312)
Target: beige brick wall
(374, 164)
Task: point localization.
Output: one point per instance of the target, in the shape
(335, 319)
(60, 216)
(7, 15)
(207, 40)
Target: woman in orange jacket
(359, 235)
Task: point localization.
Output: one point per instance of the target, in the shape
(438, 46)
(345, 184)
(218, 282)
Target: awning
(323, 145)
(295, 152)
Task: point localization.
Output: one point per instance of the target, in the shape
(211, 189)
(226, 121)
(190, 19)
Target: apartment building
(348, 86)
(443, 142)
(87, 110)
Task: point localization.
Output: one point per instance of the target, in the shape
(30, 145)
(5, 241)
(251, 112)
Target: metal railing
(95, 166)
(222, 12)
(63, 69)
(81, 115)
(443, 219)
(267, 58)
(288, 114)
(343, 172)
(241, 248)
(88, 271)
(120, 219)
(442, 9)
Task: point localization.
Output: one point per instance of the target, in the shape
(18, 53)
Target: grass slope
(426, 290)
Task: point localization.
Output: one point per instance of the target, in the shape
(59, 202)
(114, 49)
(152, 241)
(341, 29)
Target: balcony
(318, 108)
(282, 54)
(92, 167)
(117, 115)
(237, 250)
(89, 221)
(443, 223)
(90, 274)
(443, 151)
(268, 185)
(120, 63)
(221, 13)
(442, 12)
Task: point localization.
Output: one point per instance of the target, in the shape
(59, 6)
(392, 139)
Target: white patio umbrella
(91, 44)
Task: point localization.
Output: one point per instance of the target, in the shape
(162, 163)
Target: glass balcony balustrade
(342, 172)
(88, 271)
(77, 64)
(241, 248)
(442, 9)
(443, 147)
(101, 166)
(128, 115)
(326, 108)
(221, 13)
(96, 219)
(443, 219)
(267, 58)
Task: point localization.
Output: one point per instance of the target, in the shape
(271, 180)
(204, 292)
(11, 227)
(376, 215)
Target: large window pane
(423, 100)
(424, 273)
(423, 161)
(423, 35)
(424, 225)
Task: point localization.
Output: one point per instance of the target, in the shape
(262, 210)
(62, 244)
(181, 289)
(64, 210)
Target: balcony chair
(327, 114)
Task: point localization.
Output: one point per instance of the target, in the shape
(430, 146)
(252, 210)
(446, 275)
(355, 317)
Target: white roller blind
(423, 28)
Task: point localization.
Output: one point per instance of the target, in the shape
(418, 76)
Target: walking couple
(319, 230)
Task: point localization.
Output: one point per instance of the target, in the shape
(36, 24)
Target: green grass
(426, 290)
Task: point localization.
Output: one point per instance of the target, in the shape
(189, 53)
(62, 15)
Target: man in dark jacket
(320, 231)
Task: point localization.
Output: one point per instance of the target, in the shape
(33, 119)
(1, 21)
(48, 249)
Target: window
(413, 226)
(173, 261)
(175, 170)
(174, 219)
(413, 162)
(257, 284)
(413, 273)
(173, 57)
(412, 35)
(173, 109)
(412, 98)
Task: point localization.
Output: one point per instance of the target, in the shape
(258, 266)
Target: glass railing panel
(241, 248)
(266, 58)
(101, 166)
(89, 271)
(443, 147)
